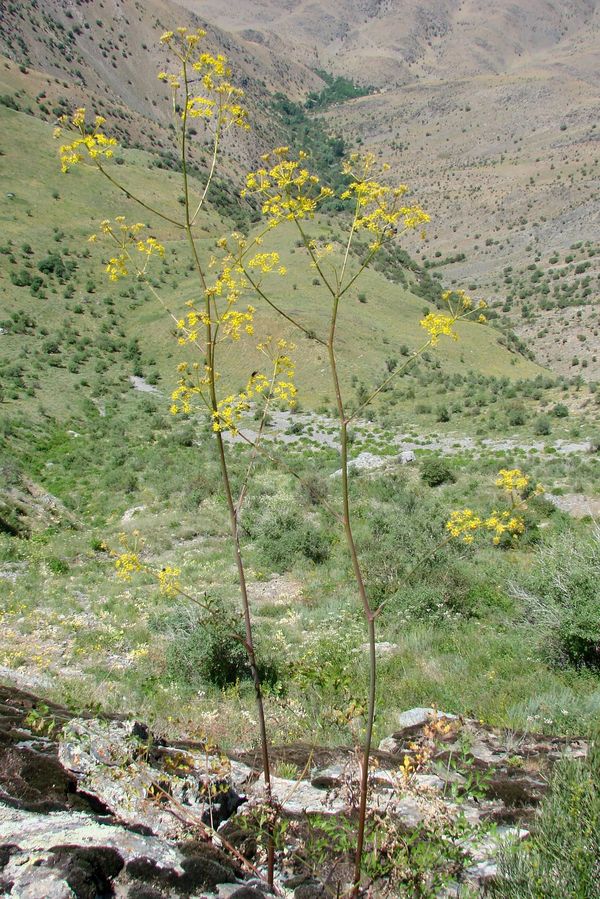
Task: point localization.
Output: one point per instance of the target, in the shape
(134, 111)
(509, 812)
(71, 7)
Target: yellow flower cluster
(504, 523)
(437, 324)
(512, 479)
(127, 238)
(127, 563)
(464, 523)
(460, 306)
(459, 302)
(287, 189)
(168, 581)
(192, 383)
(266, 262)
(223, 100)
(233, 321)
(117, 267)
(280, 386)
(91, 142)
(379, 209)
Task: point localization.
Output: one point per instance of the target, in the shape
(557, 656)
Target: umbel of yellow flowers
(464, 523)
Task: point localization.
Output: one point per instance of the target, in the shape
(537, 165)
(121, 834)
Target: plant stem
(233, 518)
(368, 611)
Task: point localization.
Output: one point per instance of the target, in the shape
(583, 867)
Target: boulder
(298, 797)
(120, 764)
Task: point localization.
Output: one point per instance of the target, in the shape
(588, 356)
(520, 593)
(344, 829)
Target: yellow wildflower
(437, 324)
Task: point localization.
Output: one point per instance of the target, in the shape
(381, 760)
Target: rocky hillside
(490, 116)
(60, 55)
(386, 43)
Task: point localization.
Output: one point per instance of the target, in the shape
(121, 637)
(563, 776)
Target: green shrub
(560, 860)
(283, 534)
(57, 566)
(205, 651)
(517, 417)
(437, 471)
(561, 596)
(542, 426)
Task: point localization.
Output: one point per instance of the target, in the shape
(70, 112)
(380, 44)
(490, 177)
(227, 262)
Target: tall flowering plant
(232, 286)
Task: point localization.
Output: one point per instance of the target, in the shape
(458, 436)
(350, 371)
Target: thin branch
(131, 196)
(283, 314)
(310, 249)
(391, 377)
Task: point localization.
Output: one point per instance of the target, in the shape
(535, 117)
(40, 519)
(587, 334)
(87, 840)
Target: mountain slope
(69, 334)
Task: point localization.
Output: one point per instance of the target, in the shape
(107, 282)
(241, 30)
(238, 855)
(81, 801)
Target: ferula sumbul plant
(232, 285)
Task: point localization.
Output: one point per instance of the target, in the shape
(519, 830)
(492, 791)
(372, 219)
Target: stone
(235, 891)
(329, 778)
(34, 832)
(417, 717)
(427, 782)
(482, 752)
(406, 457)
(298, 797)
(311, 889)
(391, 745)
(118, 762)
(59, 855)
(364, 462)
(407, 811)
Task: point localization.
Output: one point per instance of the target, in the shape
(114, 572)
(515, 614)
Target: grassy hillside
(68, 331)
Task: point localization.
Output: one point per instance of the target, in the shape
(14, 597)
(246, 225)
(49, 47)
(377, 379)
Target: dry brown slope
(386, 41)
(106, 54)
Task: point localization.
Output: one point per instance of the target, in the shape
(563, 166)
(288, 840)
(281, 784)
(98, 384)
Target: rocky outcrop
(99, 807)
(77, 815)
(26, 507)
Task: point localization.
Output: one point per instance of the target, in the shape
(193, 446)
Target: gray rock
(408, 811)
(390, 744)
(112, 760)
(35, 833)
(406, 457)
(417, 717)
(364, 462)
(238, 891)
(427, 782)
(310, 890)
(481, 752)
(33, 883)
(330, 777)
(297, 797)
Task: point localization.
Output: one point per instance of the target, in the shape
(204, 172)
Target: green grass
(464, 641)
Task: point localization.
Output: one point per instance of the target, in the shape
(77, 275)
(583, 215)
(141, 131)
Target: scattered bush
(437, 471)
(207, 651)
(561, 596)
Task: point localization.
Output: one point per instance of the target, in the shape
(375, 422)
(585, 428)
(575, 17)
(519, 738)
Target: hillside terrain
(491, 115)
(490, 118)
